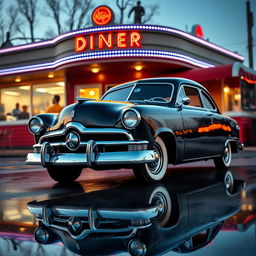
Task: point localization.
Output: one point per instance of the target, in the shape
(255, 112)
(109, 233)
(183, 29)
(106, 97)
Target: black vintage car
(161, 218)
(144, 125)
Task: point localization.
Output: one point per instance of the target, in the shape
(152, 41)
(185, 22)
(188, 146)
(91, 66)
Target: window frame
(199, 94)
(207, 95)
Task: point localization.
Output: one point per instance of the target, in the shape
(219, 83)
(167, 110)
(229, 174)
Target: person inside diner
(24, 114)
(55, 107)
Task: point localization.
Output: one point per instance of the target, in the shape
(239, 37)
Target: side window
(207, 102)
(194, 96)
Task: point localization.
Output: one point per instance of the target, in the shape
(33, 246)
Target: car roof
(175, 80)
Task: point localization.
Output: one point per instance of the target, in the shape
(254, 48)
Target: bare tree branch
(71, 10)
(29, 10)
(151, 11)
(2, 30)
(85, 7)
(55, 9)
(122, 5)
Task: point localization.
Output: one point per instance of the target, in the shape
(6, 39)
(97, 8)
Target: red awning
(218, 72)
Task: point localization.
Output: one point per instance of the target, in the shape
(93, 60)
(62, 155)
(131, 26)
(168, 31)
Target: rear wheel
(225, 160)
(155, 171)
(64, 174)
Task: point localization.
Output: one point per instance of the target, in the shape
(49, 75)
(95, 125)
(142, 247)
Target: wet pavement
(191, 211)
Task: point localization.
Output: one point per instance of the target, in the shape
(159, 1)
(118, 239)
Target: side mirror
(185, 101)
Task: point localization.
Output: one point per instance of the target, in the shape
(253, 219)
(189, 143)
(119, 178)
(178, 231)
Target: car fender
(175, 147)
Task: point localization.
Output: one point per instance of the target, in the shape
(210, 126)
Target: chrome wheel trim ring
(155, 167)
(229, 181)
(160, 196)
(161, 162)
(227, 156)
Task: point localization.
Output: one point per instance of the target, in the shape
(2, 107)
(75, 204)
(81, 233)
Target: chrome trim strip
(46, 217)
(105, 158)
(106, 213)
(201, 158)
(84, 130)
(99, 143)
(45, 154)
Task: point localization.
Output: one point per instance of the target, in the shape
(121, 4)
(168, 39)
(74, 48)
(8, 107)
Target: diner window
(15, 103)
(43, 95)
(232, 99)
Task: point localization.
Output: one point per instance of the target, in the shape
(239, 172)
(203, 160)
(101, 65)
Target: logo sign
(197, 31)
(102, 15)
(120, 39)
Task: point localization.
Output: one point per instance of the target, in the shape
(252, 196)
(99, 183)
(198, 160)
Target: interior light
(17, 79)
(50, 75)
(226, 89)
(41, 90)
(92, 93)
(101, 77)
(26, 87)
(95, 70)
(237, 96)
(61, 83)
(138, 67)
(11, 93)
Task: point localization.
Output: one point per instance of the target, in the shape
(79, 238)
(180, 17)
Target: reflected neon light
(214, 127)
(97, 55)
(160, 29)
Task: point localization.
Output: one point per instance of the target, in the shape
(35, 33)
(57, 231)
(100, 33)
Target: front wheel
(224, 161)
(155, 171)
(64, 174)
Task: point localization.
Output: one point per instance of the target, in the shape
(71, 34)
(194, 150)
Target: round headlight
(36, 125)
(131, 118)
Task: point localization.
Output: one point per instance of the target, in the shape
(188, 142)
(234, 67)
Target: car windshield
(142, 92)
(152, 92)
(118, 95)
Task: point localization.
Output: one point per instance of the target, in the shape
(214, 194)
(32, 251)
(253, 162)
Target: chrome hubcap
(228, 181)
(156, 166)
(160, 200)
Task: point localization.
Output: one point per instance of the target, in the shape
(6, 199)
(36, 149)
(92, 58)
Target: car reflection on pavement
(139, 220)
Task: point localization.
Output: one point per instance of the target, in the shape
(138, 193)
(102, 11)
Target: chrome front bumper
(60, 217)
(91, 157)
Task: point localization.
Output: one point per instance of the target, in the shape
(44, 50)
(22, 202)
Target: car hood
(92, 113)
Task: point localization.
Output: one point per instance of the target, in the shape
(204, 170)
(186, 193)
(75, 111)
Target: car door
(198, 142)
(218, 128)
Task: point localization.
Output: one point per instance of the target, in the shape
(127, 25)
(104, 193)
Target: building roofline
(155, 28)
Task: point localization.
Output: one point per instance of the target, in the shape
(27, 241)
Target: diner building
(87, 62)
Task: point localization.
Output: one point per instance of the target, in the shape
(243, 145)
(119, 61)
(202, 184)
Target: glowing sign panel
(108, 40)
(102, 15)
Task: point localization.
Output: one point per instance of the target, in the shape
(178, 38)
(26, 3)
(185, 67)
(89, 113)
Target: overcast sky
(223, 21)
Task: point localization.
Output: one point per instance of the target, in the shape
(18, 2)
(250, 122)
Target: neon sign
(102, 15)
(122, 40)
